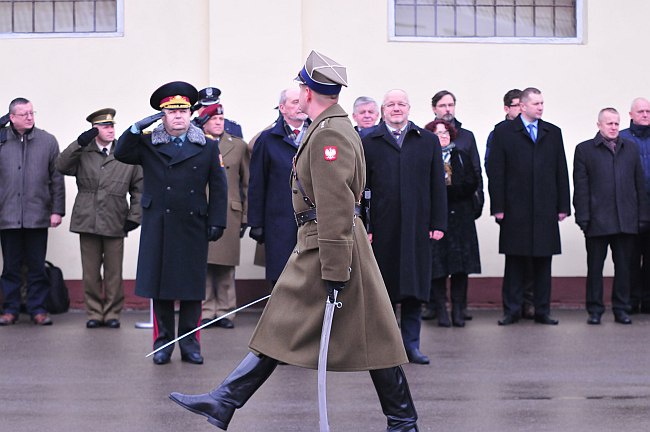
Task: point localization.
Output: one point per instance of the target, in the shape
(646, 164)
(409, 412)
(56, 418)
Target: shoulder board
(147, 132)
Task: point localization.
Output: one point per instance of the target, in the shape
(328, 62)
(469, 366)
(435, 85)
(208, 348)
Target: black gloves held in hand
(257, 234)
(215, 233)
(148, 121)
(129, 225)
(86, 137)
(242, 230)
(333, 286)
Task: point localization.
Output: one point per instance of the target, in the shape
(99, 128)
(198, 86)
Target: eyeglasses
(442, 133)
(27, 114)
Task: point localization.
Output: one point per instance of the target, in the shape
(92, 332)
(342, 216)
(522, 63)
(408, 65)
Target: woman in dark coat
(457, 253)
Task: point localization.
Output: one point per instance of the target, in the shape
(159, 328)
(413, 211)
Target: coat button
(192, 213)
(192, 191)
(194, 167)
(169, 188)
(167, 211)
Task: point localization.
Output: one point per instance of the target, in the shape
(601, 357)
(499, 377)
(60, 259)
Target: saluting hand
(86, 137)
(148, 121)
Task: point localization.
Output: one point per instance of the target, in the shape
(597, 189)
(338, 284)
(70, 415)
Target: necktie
(296, 132)
(532, 132)
(105, 152)
(178, 142)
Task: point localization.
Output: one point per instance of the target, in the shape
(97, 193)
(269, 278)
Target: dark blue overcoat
(176, 211)
(269, 196)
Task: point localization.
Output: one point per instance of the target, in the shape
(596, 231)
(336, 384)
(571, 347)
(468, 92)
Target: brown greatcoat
(103, 183)
(364, 334)
(236, 160)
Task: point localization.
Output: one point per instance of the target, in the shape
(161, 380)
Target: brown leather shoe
(8, 319)
(42, 319)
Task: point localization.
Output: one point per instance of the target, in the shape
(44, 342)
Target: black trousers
(410, 322)
(24, 246)
(189, 317)
(514, 282)
(622, 246)
(640, 289)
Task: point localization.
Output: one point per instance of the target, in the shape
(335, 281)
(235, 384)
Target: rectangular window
(61, 18)
(509, 21)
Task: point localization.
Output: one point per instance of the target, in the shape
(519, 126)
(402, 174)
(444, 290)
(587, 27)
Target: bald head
(640, 112)
(396, 108)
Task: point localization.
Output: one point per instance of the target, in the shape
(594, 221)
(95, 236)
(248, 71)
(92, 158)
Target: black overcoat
(457, 251)
(529, 183)
(176, 211)
(269, 196)
(609, 191)
(408, 200)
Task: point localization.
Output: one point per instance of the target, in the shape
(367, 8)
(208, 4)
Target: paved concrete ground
(525, 377)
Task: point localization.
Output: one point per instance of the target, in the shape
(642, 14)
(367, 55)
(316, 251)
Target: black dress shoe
(193, 357)
(205, 321)
(622, 318)
(217, 412)
(225, 323)
(428, 313)
(467, 316)
(545, 319)
(508, 319)
(415, 356)
(93, 323)
(594, 319)
(112, 323)
(161, 358)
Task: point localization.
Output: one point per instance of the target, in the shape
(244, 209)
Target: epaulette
(147, 132)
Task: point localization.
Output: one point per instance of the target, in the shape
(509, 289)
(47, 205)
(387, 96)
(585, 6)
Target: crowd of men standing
(424, 190)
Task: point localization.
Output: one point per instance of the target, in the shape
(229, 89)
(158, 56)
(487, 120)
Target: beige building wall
(253, 49)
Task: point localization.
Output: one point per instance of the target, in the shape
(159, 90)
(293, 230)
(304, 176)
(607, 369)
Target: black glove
(257, 234)
(644, 227)
(129, 225)
(333, 286)
(584, 225)
(86, 137)
(215, 233)
(4, 120)
(242, 230)
(148, 121)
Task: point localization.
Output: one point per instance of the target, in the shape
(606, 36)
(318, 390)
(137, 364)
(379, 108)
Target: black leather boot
(395, 398)
(219, 405)
(457, 315)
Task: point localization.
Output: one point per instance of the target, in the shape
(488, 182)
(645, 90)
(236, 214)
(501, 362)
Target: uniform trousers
(189, 316)
(410, 322)
(622, 246)
(220, 294)
(24, 246)
(514, 282)
(104, 301)
(640, 289)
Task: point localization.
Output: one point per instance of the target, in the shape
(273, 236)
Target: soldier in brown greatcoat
(334, 254)
(223, 255)
(101, 214)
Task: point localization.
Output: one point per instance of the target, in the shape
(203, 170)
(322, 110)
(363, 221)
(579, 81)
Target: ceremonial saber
(330, 304)
(207, 324)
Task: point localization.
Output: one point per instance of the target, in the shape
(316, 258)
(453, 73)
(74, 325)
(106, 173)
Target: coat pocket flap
(145, 201)
(236, 205)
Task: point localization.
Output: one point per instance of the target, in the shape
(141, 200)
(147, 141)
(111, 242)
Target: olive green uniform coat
(236, 161)
(364, 334)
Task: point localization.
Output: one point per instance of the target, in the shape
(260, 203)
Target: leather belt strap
(310, 214)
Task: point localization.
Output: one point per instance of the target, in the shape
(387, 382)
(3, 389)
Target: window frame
(119, 31)
(577, 40)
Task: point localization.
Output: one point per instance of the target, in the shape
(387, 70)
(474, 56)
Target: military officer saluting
(178, 217)
(101, 214)
(333, 254)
